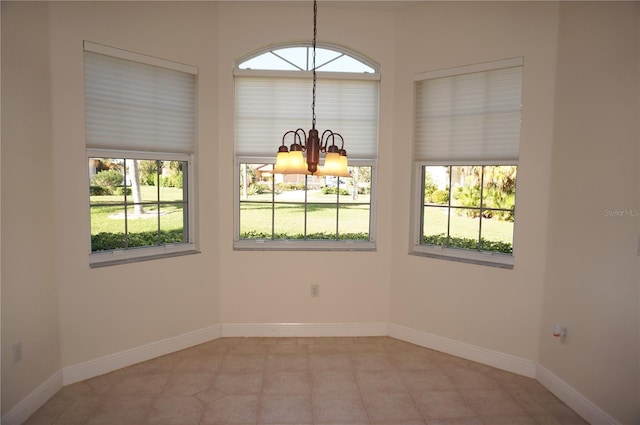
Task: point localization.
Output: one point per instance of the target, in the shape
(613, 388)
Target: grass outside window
(469, 207)
(305, 208)
(128, 212)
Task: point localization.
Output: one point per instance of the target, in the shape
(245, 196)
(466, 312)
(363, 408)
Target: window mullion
(126, 207)
(306, 205)
(338, 209)
(481, 208)
(158, 199)
(273, 208)
(449, 207)
(423, 203)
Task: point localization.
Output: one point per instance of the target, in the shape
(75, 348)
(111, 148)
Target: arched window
(299, 58)
(273, 94)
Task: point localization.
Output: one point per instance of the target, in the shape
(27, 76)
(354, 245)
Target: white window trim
(470, 69)
(336, 48)
(486, 258)
(143, 253)
(123, 256)
(305, 74)
(308, 244)
(137, 57)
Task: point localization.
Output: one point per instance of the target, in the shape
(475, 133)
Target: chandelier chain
(315, 34)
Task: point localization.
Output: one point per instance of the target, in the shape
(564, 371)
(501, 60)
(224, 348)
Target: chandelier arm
(284, 136)
(324, 141)
(302, 140)
(341, 139)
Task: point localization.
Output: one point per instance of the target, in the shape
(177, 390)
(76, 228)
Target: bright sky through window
(300, 59)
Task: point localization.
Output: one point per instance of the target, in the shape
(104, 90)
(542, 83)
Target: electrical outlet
(315, 290)
(17, 352)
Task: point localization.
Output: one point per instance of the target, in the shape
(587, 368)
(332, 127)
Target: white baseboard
(482, 355)
(572, 398)
(303, 329)
(33, 401)
(111, 362)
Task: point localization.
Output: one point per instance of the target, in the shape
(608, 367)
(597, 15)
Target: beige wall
(29, 298)
(489, 307)
(354, 287)
(572, 264)
(592, 278)
(107, 310)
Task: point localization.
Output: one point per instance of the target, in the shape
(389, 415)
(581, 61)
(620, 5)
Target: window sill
(297, 245)
(115, 258)
(491, 259)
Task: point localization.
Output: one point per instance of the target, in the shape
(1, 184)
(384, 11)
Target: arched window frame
(343, 51)
(373, 74)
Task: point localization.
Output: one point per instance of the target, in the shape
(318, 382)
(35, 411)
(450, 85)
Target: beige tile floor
(368, 380)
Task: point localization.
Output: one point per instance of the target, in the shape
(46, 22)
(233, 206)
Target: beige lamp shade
(296, 163)
(282, 163)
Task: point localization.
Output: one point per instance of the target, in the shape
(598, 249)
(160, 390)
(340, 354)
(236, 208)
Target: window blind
(469, 118)
(267, 107)
(130, 105)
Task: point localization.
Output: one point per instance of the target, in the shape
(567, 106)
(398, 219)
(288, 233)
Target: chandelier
(291, 160)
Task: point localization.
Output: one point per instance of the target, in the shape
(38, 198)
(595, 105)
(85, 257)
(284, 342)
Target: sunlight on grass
(493, 230)
(256, 218)
(109, 218)
(148, 194)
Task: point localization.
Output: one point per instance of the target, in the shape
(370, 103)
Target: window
(273, 95)
(466, 148)
(140, 134)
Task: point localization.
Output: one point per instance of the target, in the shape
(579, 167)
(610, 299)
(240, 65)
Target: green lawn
(256, 217)
(153, 228)
(321, 218)
(148, 193)
(435, 222)
(463, 227)
(110, 219)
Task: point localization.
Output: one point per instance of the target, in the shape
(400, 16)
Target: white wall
(592, 278)
(29, 298)
(107, 310)
(497, 309)
(354, 287)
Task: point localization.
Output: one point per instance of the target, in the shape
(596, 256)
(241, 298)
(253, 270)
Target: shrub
(98, 191)
(173, 180)
(148, 170)
(468, 243)
(469, 196)
(108, 179)
(332, 190)
(496, 198)
(105, 241)
(440, 197)
(287, 187)
(120, 190)
(299, 236)
(429, 187)
(258, 188)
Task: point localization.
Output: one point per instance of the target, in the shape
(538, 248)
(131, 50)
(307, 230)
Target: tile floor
(368, 380)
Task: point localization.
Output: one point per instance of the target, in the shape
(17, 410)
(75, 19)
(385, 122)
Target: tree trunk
(134, 177)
